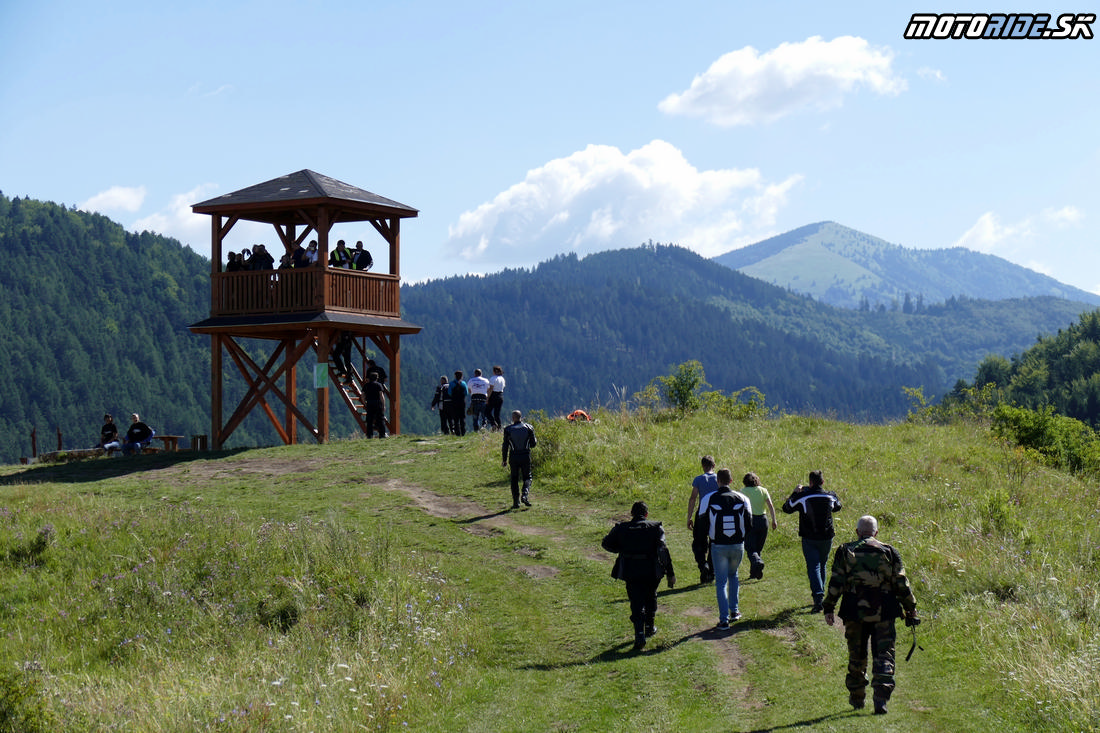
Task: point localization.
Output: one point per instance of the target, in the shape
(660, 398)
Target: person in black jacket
(374, 400)
(643, 560)
(137, 437)
(341, 355)
(442, 398)
(108, 434)
(519, 439)
(815, 507)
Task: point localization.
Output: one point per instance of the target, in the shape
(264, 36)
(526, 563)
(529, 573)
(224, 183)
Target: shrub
(22, 707)
(1062, 441)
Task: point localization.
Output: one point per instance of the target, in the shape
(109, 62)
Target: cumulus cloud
(115, 198)
(745, 87)
(990, 235)
(177, 220)
(1063, 217)
(601, 198)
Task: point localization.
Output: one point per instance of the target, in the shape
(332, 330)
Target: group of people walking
(867, 579)
(480, 398)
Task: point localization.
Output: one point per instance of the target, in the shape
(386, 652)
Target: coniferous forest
(97, 321)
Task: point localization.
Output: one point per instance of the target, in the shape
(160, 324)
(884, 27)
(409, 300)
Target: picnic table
(171, 442)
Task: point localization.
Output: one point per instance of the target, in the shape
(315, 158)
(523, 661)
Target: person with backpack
(642, 561)
(869, 581)
(458, 392)
(815, 507)
(728, 514)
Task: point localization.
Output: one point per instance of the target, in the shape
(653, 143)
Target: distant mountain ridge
(111, 335)
(849, 269)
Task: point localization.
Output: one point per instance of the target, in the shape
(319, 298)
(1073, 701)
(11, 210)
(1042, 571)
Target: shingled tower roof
(275, 201)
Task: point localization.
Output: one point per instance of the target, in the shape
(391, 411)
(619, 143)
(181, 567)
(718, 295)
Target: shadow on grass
(98, 469)
(809, 723)
(483, 517)
(711, 633)
(614, 654)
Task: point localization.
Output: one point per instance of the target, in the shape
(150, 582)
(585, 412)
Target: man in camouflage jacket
(869, 580)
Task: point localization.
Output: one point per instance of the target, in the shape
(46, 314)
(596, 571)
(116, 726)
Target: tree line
(97, 322)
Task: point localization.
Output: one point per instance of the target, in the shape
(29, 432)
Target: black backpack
(727, 518)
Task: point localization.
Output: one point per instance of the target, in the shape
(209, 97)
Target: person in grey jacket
(519, 439)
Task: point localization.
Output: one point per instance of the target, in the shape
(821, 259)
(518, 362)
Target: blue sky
(523, 130)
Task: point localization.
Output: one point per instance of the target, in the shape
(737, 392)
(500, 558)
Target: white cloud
(992, 236)
(199, 89)
(745, 87)
(601, 198)
(178, 221)
(989, 235)
(926, 72)
(115, 198)
(1063, 217)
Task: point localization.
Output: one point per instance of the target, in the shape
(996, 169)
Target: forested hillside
(98, 322)
(572, 333)
(1061, 371)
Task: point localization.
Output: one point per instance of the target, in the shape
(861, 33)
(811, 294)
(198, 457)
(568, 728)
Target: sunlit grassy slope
(386, 585)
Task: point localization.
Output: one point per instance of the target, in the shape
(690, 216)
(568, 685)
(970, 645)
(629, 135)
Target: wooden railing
(306, 290)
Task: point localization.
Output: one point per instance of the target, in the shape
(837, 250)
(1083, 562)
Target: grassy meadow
(387, 585)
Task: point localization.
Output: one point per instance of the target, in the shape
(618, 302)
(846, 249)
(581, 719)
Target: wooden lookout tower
(303, 309)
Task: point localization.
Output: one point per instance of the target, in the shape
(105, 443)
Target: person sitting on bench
(137, 437)
(108, 435)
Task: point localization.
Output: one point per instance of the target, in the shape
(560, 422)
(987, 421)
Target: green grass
(384, 585)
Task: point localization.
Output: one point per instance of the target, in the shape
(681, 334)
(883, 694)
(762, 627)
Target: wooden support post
(325, 339)
(291, 391)
(216, 390)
